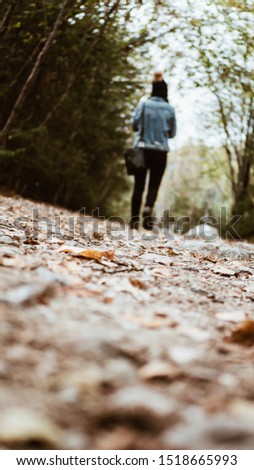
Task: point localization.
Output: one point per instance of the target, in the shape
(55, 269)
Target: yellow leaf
(95, 254)
(88, 254)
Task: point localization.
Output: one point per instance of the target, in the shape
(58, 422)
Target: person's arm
(137, 117)
(172, 125)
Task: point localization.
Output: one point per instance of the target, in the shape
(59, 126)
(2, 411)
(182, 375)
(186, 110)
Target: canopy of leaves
(66, 141)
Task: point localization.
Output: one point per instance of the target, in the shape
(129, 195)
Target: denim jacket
(159, 124)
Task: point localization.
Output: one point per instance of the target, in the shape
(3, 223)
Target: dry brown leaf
(161, 314)
(95, 254)
(98, 235)
(137, 283)
(31, 241)
(243, 334)
(172, 252)
(208, 258)
(89, 254)
(110, 254)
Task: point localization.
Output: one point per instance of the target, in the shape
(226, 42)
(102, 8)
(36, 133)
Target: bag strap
(142, 123)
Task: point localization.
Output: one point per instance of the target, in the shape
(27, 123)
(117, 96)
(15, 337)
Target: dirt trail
(122, 344)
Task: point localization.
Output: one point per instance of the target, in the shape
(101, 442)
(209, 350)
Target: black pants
(155, 162)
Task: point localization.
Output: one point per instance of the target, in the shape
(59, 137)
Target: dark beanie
(160, 89)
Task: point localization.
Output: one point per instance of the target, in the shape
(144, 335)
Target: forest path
(122, 344)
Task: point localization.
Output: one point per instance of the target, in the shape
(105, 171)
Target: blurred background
(72, 73)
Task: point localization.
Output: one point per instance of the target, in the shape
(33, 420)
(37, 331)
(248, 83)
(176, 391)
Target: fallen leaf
(243, 334)
(89, 254)
(137, 283)
(161, 314)
(172, 252)
(31, 241)
(98, 235)
(208, 258)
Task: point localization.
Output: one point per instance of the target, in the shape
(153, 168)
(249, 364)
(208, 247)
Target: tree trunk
(243, 204)
(7, 17)
(33, 75)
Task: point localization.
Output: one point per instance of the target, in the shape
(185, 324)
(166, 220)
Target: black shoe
(134, 223)
(148, 219)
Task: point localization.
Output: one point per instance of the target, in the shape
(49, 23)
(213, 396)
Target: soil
(115, 339)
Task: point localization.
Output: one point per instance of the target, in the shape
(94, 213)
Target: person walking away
(154, 122)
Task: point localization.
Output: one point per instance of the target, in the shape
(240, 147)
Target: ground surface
(137, 344)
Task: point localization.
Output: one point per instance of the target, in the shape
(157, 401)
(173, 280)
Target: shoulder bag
(134, 157)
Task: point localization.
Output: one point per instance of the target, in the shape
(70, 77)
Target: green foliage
(220, 47)
(68, 139)
(197, 183)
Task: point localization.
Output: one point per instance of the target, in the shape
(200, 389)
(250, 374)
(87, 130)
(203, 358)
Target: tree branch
(34, 73)
(226, 146)
(7, 17)
(74, 76)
